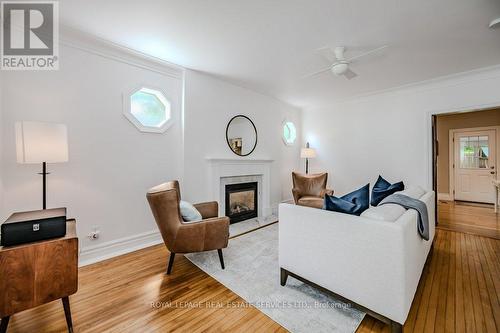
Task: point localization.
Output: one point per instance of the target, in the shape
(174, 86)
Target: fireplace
(241, 201)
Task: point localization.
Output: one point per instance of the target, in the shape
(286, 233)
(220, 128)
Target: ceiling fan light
(339, 69)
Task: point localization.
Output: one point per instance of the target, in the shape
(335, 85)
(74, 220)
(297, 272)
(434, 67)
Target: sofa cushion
(353, 203)
(383, 188)
(388, 212)
(392, 212)
(415, 192)
(309, 201)
(188, 212)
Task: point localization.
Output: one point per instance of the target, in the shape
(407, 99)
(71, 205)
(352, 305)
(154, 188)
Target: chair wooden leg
(170, 263)
(4, 324)
(221, 258)
(283, 276)
(67, 313)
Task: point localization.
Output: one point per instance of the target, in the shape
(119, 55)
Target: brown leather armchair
(309, 190)
(211, 233)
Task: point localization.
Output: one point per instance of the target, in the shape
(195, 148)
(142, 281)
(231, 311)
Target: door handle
(492, 172)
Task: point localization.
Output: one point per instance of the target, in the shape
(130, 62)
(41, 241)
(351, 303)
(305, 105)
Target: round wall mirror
(241, 135)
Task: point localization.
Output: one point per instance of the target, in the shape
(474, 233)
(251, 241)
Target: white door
(475, 165)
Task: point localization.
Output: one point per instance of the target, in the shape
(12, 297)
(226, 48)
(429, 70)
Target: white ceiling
(268, 45)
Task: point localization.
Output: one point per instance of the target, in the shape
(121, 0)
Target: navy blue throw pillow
(353, 203)
(383, 188)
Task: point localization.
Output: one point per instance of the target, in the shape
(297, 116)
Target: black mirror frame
(254, 128)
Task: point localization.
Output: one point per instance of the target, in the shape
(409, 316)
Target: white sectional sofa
(374, 261)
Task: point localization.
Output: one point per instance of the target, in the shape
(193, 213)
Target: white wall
(111, 164)
(389, 133)
(209, 105)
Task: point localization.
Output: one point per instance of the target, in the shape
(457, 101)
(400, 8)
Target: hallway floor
(478, 219)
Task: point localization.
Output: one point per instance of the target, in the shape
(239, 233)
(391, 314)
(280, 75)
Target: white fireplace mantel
(237, 167)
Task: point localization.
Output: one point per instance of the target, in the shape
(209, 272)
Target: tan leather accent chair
(211, 233)
(309, 190)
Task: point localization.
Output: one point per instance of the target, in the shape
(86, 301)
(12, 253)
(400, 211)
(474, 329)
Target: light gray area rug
(252, 272)
(239, 228)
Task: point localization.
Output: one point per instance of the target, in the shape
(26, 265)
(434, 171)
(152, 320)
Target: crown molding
(455, 79)
(77, 39)
(99, 46)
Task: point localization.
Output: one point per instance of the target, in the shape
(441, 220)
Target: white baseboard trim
(92, 254)
(445, 197)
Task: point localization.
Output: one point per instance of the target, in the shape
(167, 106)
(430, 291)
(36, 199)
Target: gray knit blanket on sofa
(410, 203)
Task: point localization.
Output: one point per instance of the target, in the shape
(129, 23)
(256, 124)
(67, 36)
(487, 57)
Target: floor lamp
(307, 153)
(39, 142)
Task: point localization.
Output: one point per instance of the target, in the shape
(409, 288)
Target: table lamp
(40, 142)
(307, 153)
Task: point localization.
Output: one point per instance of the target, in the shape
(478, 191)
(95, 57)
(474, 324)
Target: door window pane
(474, 152)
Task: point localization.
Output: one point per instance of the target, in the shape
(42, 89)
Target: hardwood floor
(459, 292)
(131, 293)
(469, 218)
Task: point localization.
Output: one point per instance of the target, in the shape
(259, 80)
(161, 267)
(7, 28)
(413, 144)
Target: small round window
(149, 110)
(289, 133)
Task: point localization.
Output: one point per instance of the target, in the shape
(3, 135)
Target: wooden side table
(36, 273)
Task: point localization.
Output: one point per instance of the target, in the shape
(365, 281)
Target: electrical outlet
(94, 234)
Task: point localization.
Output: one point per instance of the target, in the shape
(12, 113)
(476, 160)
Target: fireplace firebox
(241, 201)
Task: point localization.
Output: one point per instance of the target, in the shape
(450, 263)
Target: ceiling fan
(341, 64)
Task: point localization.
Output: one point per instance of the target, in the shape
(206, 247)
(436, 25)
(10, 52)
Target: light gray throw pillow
(188, 212)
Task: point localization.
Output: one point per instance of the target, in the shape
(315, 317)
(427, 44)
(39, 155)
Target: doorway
(466, 148)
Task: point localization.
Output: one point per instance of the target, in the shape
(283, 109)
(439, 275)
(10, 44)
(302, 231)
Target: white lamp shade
(307, 153)
(38, 142)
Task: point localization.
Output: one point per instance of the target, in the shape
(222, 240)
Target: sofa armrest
(208, 209)
(416, 248)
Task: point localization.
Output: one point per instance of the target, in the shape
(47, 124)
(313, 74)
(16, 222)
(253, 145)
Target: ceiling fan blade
(349, 74)
(326, 69)
(367, 53)
(327, 53)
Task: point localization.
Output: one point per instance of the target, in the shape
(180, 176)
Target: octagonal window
(289, 133)
(149, 110)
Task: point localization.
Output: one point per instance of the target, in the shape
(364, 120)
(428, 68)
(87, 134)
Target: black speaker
(32, 226)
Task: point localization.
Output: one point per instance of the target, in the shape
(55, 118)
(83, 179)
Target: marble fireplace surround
(224, 171)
